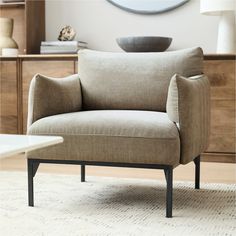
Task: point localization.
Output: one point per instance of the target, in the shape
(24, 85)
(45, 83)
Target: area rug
(112, 206)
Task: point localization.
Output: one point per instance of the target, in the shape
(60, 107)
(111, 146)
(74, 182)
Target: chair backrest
(135, 81)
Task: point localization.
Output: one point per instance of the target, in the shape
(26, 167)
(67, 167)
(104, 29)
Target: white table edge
(33, 147)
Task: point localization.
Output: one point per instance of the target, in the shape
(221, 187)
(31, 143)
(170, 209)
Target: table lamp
(226, 32)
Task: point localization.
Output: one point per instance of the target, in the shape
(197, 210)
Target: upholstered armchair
(142, 110)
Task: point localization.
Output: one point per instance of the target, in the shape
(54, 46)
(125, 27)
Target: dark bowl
(144, 43)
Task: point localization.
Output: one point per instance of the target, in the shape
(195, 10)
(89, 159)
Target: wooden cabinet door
(76, 67)
(50, 68)
(8, 97)
(221, 74)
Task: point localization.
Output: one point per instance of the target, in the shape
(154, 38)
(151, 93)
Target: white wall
(100, 23)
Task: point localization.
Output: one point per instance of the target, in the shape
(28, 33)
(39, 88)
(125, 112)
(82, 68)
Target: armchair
(141, 110)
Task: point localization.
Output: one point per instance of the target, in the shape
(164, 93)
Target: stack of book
(61, 47)
(11, 1)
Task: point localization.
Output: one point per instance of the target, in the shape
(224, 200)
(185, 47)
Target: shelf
(75, 57)
(33, 57)
(220, 56)
(48, 56)
(12, 4)
(26, 15)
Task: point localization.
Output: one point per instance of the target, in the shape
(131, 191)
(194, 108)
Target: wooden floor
(210, 172)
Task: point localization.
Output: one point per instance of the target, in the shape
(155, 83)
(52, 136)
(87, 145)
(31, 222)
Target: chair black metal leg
(33, 165)
(169, 191)
(165, 172)
(197, 172)
(82, 173)
(30, 183)
(32, 169)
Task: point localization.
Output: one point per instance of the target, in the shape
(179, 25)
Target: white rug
(112, 206)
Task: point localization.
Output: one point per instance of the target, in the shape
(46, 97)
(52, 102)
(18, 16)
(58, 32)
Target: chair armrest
(188, 105)
(51, 96)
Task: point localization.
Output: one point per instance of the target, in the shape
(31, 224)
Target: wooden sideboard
(221, 73)
(16, 74)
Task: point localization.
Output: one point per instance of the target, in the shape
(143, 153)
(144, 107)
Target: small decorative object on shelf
(10, 52)
(65, 44)
(61, 47)
(67, 34)
(6, 30)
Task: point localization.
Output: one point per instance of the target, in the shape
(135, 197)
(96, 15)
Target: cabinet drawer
(223, 117)
(222, 137)
(221, 74)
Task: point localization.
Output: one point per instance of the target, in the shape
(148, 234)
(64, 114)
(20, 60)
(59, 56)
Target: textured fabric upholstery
(188, 104)
(136, 81)
(50, 96)
(114, 110)
(111, 136)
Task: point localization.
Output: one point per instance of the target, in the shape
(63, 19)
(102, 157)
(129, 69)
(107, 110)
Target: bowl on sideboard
(144, 43)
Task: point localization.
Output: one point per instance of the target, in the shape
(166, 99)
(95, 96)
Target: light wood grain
(56, 69)
(76, 67)
(8, 97)
(221, 74)
(222, 78)
(222, 137)
(35, 25)
(219, 157)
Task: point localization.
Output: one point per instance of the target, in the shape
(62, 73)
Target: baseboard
(218, 157)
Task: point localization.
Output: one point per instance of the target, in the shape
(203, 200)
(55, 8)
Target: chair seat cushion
(110, 136)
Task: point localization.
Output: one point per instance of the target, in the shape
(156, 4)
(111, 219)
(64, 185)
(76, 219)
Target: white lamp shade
(215, 7)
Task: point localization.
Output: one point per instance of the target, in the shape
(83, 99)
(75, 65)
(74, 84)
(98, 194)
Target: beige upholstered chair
(147, 110)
